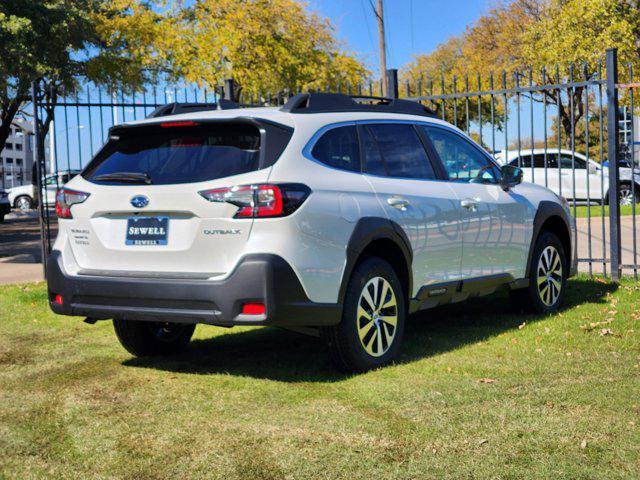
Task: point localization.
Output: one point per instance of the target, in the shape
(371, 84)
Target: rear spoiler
(178, 108)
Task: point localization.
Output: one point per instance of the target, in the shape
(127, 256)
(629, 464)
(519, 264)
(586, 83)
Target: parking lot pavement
(20, 245)
(596, 234)
(20, 254)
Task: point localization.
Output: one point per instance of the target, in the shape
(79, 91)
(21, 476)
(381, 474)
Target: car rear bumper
(263, 278)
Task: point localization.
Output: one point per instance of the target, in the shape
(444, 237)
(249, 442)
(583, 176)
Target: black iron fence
(564, 131)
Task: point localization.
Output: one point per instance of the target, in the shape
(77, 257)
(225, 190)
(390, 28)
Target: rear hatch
(145, 215)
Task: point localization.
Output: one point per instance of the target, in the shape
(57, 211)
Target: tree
(535, 36)
(264, 45)
(58, 41)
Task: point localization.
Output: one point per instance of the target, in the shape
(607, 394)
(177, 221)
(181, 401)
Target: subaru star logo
(139, 201)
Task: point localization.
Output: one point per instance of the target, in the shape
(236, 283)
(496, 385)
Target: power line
(411, 21)
(375, 11)
(366, 22)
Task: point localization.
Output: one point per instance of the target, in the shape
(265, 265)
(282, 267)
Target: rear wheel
(547, 277)
(23, 203)
(370, 333)
(144, 339)
(627, 194)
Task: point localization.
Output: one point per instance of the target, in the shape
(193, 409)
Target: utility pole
(383, 48)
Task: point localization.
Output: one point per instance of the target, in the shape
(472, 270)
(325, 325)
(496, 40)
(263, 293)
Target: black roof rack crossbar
(178, 108)
(337, 102)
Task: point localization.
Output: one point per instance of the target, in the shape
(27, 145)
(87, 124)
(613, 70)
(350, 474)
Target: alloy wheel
(627, 196)
(377, 316)
(23, 204)
(549, 276)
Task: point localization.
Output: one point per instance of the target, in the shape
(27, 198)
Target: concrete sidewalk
(20, 251)
(19, 272)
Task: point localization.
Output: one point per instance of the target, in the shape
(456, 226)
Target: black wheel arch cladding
(551, 212)
(367, 233)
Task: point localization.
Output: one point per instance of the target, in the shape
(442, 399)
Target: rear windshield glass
(161, 156)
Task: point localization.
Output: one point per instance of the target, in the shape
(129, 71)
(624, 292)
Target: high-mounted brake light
(186, 123)
(65, 198)
(260, 201)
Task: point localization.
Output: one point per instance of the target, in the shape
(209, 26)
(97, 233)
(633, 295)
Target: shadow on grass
(285, 356)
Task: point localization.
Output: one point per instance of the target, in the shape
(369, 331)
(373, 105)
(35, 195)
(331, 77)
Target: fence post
(613, 143)
(39, 162)
(392, 83)
(228, 89)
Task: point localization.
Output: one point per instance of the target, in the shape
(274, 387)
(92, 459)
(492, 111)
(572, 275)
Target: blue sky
(413, 26)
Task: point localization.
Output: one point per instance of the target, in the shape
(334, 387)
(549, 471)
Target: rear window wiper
(124, 177)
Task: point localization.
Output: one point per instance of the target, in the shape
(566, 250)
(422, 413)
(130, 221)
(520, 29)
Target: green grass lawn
(582, 211)
(479, 392)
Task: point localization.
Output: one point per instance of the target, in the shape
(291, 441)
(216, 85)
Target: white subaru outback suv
(330, 215)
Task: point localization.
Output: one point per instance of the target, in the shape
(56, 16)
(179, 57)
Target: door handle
(470, 204)
(398, 202)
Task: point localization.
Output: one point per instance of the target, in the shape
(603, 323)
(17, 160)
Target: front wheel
(547, 277)
(370, 332)
(144, 339)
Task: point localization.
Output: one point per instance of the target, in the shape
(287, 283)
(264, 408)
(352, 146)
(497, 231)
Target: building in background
(16, 160)
(630, 136)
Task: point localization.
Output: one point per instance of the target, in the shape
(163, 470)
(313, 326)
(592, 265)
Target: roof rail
(178, 108)
(337, 102)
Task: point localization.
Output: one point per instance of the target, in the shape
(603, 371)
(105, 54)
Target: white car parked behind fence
(591, 178)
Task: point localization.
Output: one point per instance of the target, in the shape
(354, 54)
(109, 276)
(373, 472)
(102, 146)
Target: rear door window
(178, 154)
(523, 161)
(401, 151)
(373, 162)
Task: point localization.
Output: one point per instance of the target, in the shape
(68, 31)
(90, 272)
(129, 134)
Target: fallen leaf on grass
(594, 325)
(605, 331)
(486, 380)
(522, 325)
(483, 441)
(583, 444)
(601, 280)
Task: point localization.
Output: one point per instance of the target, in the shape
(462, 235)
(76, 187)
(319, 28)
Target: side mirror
(511, 176)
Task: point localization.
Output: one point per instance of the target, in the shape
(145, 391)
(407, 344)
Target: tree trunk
(565, 114)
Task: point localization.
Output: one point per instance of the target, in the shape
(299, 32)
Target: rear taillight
(65, 198)
(263, 200)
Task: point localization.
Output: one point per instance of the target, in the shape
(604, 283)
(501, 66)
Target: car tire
(547, 277)
(144, 339)
(627, 195)
(366, 336)
(1, 218)
(23, 203)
